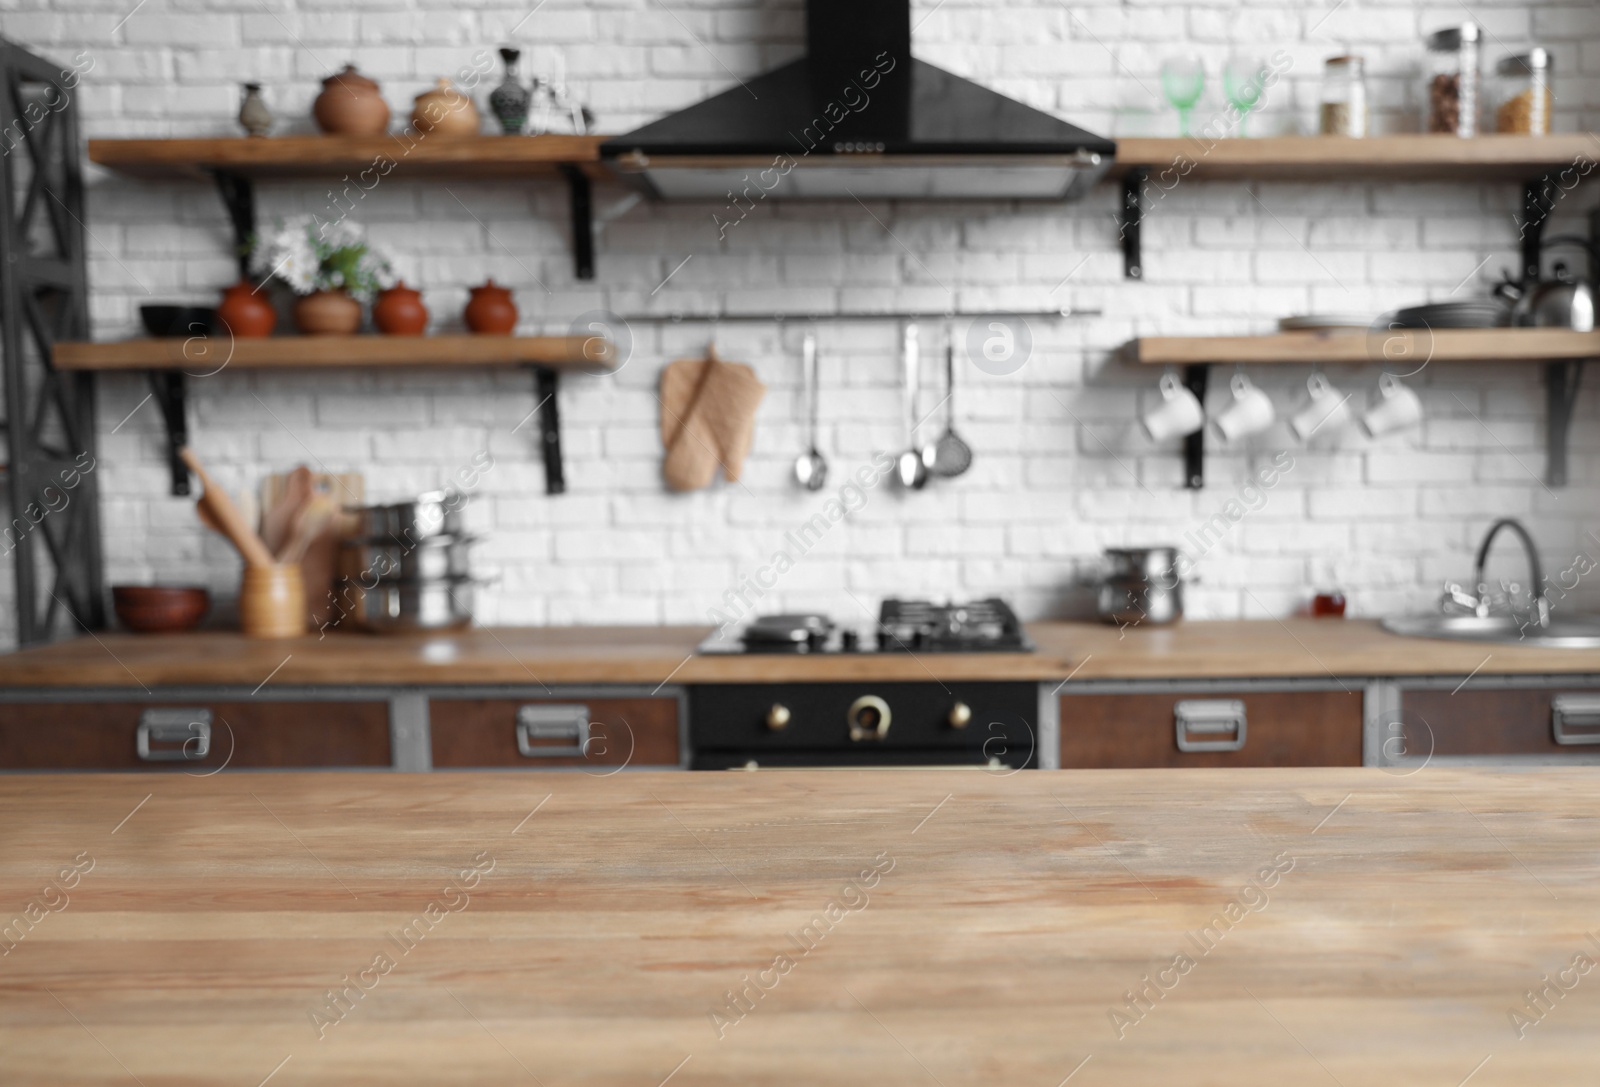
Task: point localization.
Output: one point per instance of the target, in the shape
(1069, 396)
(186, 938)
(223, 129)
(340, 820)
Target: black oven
(753, 725)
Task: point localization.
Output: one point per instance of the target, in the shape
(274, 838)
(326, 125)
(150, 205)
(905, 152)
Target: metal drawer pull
(1209, 716)
(1575, 718)
(185, 734)
(553, 722)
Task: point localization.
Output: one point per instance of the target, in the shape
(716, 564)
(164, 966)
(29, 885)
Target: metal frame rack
(54, 528)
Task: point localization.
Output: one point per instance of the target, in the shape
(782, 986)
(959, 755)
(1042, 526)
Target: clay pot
(350, 105)
(327, 313)
(490, 310)
(445, 111)
(399, 311)
(246, 313)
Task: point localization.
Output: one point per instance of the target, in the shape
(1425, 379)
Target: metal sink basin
(1577, 632)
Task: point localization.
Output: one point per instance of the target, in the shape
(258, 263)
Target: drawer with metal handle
(1209, 724)
(200, 736)
(167, 735)
(1196, 726)
(1575, 719)
(596, 734)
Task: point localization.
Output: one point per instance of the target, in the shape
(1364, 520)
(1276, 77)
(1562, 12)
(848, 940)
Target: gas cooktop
(919, 626)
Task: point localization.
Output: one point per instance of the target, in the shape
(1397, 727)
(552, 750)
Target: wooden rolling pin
(227, 516)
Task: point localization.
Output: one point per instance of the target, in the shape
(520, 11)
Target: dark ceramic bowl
(164, 321)
(160, 609)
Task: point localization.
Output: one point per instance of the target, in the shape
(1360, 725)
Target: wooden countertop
(655, 655)
(508, 928)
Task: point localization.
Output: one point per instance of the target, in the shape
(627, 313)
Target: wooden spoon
(227, 516)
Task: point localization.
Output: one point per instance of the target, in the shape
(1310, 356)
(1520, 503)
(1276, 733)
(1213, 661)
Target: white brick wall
(1060, 469)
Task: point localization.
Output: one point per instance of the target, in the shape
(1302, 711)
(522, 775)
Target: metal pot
(432, 558)
(1157, 565)
(437, 513)
(400, 606)
(1134, 601)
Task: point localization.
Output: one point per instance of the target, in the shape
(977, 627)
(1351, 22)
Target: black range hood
(859, 117)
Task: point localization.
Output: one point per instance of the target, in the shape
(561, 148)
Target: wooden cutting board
(919, 928)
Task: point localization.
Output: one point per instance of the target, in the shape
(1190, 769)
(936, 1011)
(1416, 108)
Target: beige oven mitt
(708, 418)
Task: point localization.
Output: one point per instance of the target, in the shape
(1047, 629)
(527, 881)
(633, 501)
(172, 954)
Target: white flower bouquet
(310, 255)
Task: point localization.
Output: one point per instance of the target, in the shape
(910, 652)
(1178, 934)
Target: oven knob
(869, 718)
(778, 717)
(960, 714)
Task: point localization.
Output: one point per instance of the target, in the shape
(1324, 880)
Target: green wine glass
(1244, 81)
(1182, 81)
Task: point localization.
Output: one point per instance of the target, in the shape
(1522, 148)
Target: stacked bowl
(407, 568)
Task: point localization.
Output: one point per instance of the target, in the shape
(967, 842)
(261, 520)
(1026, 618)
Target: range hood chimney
(860, 117)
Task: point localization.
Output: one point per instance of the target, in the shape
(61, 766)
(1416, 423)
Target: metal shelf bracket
(1132, 219)
(582, 203)
(1561, 391)
(171, 394)
(239, 198)
(1196, 378)
(549, 410)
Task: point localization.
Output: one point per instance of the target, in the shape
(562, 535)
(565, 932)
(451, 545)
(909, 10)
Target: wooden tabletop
(925, 928)
(1316, 648)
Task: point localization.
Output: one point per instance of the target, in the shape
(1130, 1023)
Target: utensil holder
(272, 601)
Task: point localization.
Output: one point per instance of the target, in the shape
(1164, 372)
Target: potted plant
(329, 265)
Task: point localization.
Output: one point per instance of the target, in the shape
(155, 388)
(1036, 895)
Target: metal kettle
(1563, 301)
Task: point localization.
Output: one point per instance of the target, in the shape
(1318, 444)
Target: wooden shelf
(203, 354)
(1378, 158)
(1356, 347)
(466, 157)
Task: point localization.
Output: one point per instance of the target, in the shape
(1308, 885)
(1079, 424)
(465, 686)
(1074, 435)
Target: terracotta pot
(247, 313)
(350, 105)
(490, 310)
(327, 313)
(399, 311)
(445, 111)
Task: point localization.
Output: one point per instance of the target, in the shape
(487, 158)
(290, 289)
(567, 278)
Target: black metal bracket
(239, 197)
(169, 389)
(1561, 392)
(545, 385)
(1539, 197)
(578, 189)
(1195, 379)
(1133, 209)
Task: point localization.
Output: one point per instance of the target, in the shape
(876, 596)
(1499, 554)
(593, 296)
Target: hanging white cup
(1249, 412)
(1327, 412)
(1177, 416)
(1396, 407)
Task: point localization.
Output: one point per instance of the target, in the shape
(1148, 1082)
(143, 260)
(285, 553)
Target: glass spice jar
(1450, 81)
(1522, 93)
(1344, 96)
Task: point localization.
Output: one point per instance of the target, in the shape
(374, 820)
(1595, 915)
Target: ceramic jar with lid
(490, 310)
(399, 311)
(445, 111)
(350, 105)
(245, 312)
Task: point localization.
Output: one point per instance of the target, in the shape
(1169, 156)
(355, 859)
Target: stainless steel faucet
(1479, 601)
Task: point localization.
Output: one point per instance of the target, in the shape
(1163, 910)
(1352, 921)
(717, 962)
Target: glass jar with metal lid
(1523, 102)
(1450, 81)
(1344, 97)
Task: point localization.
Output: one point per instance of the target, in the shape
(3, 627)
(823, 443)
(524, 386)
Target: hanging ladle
(913, 471)
(810, 469)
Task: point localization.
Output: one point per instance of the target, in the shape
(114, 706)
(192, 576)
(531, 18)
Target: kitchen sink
(1580, 632)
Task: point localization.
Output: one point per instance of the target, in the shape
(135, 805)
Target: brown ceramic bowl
(160, 609)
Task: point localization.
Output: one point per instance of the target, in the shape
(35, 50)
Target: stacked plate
(1476, 313)
(408, 566)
